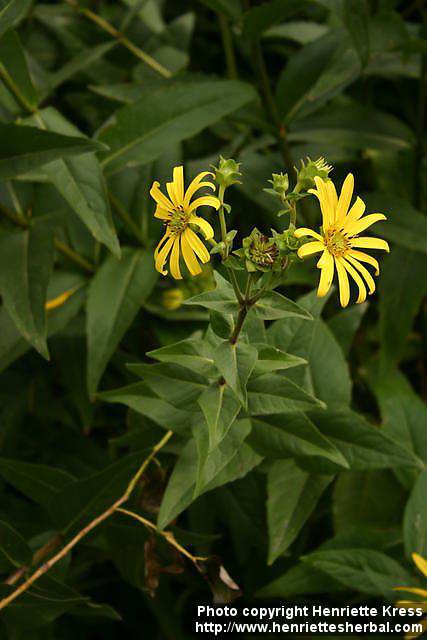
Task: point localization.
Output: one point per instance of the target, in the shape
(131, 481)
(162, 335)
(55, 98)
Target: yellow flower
(179, 215)
(421, 564)
(339, 240)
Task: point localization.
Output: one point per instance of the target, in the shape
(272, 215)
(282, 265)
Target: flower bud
(227, 172)
(310, 170)
(172, 299)
(260, 251)
(280, 183)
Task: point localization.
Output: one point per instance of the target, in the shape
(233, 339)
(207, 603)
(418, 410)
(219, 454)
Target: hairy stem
(45, 567)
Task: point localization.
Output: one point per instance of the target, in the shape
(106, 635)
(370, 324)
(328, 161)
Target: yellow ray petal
(162, 255)
(178, 183)
(365, 273)
(60, 300)
(160, 198)
(304, 231)
(203, 225)
(331, 194)
(174, 260)
(326, 264)
(410, 603)
(189, 256)
(343, 283)
(162, 213)
(197, 184)
(356, 211)
(197, 245)
(162, 240)
(365, 257)
(345, 197)
(370, 243)
(170, 186)
(420, 563)
(207, 201)
(358, 280)
(415, 590)
(309, 248)
(353, 228)
(320, 193)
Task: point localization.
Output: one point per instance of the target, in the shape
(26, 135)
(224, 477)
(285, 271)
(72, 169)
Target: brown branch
(44, 568)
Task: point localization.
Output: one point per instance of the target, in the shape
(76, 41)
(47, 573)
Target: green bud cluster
(228, 172)
(310, 170)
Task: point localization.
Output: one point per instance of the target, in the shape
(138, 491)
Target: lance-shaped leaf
(220, 409)
(14, 551)
(139, 398)
(190, 353)
(172, 382)
(235, 363)
(9, 13)
(234, 459)
(292, 496)
(116, 294)
(292, 434)
(139, 133)
(14, 68)
(24, 148)
(272, 359)
(26, 260)
(274, 393)
(274, 306)
(222, 299)
(80, 182)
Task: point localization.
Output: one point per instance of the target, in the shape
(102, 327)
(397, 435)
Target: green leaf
(9, 13)
(401, 292)
(259, 19)
(274, 306)
(220, 409)
(36, 481)
(26, 148)
(272, 359)
(230, 8)
(345, 324)
(144, 130)
(356, 20)
(26, 260)
(116, 293)
(14, 69)
(292, 497)
(189, 353)
(221, 299)
(233, 460)
(235, 362)
(13, 547)
(364, 570)
(292, 434)
(273, 393)
(172, 382)
(300, 580)
(415, 519)
(80, 182)
(363, 445)
(136, 396)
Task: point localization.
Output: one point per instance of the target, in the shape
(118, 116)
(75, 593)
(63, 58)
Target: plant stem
(243, 312)
(106, 26)
(75, 257)
(44, 568)
(124, 215)
(13, 87)
(167, 535)
(227, 43)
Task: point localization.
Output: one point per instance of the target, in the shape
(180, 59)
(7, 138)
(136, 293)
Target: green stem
(74, 256)
(13, 87)
(235, 284)
(243, 312)
(227, 43)
(124, 215)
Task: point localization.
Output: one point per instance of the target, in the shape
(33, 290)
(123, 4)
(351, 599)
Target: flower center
(179, 220)
(336, 242)
(263, 251)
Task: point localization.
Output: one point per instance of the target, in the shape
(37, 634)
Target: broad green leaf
(273, 393)
(345, 324)
(259, 19)
(235, 362)
(365, 570)
(36, 481)
(356, 20)
(26, 260)
(272, 359)
(14, 69)
(300, 580)
(80, 182)
(274, 306)
(141, 132)
(26, 148)
(401, 292)
(403, 412)
(178, 385)
(13, 548)
(292, 497)
(292, 434)
(220, 409)
(136, 396)
(188, 353)
(221, 299)
(415, 519)
(9, 13)
(115, 295)
(363, 445)
(13, 345)
(79, 502)
(233, 460)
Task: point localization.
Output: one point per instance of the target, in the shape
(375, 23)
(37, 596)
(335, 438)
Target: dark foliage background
(97, 99)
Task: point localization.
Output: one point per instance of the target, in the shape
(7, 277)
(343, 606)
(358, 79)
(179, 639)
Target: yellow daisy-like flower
(421, 564)
(339, 240)
(179, 214)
